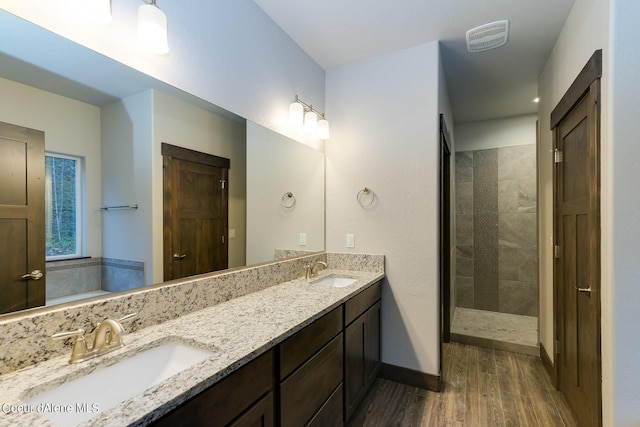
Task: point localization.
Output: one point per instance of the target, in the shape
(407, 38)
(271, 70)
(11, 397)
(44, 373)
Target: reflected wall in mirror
(115, 127)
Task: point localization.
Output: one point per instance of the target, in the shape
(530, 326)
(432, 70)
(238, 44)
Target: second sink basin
(107, 387)
(335, 281)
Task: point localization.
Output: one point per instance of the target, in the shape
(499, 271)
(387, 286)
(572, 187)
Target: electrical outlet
(351, 240)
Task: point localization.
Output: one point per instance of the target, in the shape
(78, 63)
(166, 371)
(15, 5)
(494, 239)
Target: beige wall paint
(587, 29)
(71, 127)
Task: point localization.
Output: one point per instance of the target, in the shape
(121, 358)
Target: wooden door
(577, 262)
(22, 229)
(195, 212)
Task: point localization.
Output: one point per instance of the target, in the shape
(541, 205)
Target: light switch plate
(303, 239)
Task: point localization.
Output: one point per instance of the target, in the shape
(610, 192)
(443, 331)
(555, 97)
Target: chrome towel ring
(288, 200)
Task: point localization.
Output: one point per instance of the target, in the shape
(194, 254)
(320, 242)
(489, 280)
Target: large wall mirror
(105, 126)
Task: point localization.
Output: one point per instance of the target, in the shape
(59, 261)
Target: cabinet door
(362, 357)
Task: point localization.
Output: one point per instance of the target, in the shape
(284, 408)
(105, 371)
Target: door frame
(445, 235)
(588, 80)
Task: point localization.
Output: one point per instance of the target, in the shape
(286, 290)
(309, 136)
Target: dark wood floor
(483, 387)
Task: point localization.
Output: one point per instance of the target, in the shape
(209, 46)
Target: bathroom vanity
(293, 353)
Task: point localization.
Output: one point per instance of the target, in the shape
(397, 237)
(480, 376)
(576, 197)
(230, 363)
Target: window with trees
(63, 206)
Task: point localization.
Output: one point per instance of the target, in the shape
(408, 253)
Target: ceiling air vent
(487, 36)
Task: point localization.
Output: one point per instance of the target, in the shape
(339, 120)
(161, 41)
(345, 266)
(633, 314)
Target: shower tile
(464, 292)
(516, 162)
(508, 196)
(485, 292)
(464, 166)
(464, 198)
(518, 297)
(464, 230)
(519, 264)
(527, 194)
(485, 181)
(517, 230)
(464, 261)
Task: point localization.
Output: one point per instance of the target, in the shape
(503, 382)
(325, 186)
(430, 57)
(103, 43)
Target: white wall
(294, 168)
(229, 53)
(179, 123)
(586, 30)
(70, 127)
(385, 137)
(497, 133)
(127, 136)
(621, 225)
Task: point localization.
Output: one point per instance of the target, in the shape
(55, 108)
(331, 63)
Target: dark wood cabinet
(311, 365)
(317, 377)
(361, 349)
(244, 398)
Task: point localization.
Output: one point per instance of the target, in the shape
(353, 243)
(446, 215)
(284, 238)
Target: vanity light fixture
(318, 128)
(152, 28)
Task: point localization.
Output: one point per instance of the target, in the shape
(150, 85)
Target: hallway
(483, 387)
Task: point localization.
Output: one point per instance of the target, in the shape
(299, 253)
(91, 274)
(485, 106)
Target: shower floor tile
(495, 330)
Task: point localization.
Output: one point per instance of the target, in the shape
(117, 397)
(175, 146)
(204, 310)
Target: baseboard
(411, 377)
(548, 365)
(495, 344)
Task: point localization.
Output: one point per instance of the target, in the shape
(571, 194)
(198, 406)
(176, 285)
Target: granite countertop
(236, 331)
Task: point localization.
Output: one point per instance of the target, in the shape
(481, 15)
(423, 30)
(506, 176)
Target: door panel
(196, 213)
(22, 228)
(577, 272)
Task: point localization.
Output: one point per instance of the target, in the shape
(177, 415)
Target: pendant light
(152, 28)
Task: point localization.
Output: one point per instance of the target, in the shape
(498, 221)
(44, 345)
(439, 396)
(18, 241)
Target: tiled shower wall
(496, 250)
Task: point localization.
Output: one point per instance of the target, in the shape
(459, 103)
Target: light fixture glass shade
(310, 122)
(152, 29)
(323, 129)
(296, 114)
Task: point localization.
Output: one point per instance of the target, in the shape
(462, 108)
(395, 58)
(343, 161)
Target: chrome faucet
(108, 337)
(312, 270)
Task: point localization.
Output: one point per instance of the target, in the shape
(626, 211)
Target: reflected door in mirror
(195, 212)
(22, 229)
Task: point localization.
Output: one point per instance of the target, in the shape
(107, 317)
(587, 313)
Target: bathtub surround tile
(70, 277)
(121, 275)
(24, 336)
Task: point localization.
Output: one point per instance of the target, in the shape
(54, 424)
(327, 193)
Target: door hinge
(223, 184)
(556, 345)
(556, 251)
(557, 155)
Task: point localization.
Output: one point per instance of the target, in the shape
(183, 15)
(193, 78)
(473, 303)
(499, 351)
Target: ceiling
(486, 85)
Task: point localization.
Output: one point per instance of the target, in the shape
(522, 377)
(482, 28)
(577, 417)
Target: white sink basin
(107, 387)
(335, 281)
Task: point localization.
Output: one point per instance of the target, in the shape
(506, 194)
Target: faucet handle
(79, 345)
(128, 317)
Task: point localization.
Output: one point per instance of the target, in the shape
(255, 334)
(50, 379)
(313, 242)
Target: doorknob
(34, 275)
(178, 256)
(583, 290)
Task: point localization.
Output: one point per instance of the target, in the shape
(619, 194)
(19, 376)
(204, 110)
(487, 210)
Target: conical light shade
(296, 114)
(310, 122)
(152, 29)
(323, 129)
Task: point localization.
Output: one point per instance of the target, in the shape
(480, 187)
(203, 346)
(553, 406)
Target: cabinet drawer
(259, 415)
(304, 344)
(361, 302)
(224, 401)
(308, 388)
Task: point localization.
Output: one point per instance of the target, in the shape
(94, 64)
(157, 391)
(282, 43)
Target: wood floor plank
(482, 387)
